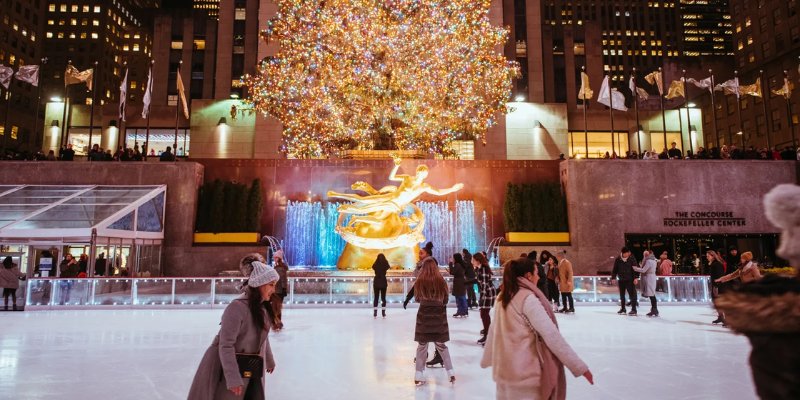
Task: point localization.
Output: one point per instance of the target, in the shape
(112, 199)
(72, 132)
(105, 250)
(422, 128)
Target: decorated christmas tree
(382, 74)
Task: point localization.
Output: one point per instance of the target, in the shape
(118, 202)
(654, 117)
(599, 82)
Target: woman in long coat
(379, 285)
(430, 290)
(458, 271)
(648, 281)
(488, 292)
(244, 328)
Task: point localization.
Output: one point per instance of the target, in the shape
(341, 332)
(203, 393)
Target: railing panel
(40, 291)
(351, 290)
(113, 292)
(154, 292)
(227, 289)
(193, 291)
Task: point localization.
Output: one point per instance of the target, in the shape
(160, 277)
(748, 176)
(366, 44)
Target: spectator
(664, 265)
(167, 155)
(664, 155)
(674, 152)
(9, 281)
(51, 155)
(68, 154)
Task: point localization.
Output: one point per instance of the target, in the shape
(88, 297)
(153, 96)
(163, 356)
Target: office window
(63, 8)
(74, 8)
(176, 45)
(73, 22)
(94, 35)
(135, 47)
(51, 22)
(51, 8)
(49, 35)
(60, 35)
(86, 8)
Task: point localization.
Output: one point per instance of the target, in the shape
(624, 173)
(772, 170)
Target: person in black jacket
(457, 270)
(626, 279)
(542, 285)
(472, 279)
(379, 285)
(717, 271)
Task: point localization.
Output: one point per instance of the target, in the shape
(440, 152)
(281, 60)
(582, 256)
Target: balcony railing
(216, 292)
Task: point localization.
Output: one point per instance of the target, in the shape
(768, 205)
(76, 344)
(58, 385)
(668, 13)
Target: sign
(45, 264)
(704, 219)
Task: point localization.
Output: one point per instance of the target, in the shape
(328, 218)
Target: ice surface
(343, 353)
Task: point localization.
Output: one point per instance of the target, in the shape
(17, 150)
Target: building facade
(21, 34)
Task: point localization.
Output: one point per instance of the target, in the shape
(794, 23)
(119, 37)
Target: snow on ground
(343, 353)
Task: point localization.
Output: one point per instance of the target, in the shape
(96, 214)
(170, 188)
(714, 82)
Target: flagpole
(94, 100)
(150, 89)
(63, 140)
(714, 108)
(688, 115)
(121, 135)
(788, 98)
(177, 112)
(661, 99)
(739, 106)
(611, 112)
(39, 98)
(636, 109)
(585, 129)
(764, 99)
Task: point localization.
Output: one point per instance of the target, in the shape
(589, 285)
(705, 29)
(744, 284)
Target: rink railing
(216, 292)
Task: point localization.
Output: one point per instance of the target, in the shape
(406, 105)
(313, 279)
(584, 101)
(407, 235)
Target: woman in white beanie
(233, 366)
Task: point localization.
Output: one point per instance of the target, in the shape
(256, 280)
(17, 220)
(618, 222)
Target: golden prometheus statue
(384, 221)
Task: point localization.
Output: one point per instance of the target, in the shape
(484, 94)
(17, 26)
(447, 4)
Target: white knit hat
(262, 274)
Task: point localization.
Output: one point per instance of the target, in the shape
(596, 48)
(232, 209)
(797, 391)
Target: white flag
(28, 73)
(729, 87)
(637, 91)
(123, 96)
(5, 75)
(146, 98)
(702, 84)
(610, 97)
(182, 95)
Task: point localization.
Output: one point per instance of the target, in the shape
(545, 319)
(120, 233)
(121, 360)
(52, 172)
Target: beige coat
(511, 352)
(565, 282)
(748, 273)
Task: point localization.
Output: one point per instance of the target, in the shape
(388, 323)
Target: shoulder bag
(251, 365)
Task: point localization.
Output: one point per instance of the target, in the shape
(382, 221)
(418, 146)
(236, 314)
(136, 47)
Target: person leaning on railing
(747, 273)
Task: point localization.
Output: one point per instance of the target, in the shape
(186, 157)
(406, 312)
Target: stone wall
(609, 198)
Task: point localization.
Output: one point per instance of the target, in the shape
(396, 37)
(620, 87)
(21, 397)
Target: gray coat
(647, 282)
(218, 370)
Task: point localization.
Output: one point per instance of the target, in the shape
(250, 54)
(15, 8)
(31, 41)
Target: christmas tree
(388, 74)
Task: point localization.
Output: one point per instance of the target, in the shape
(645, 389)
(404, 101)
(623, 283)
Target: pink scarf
(553, 385)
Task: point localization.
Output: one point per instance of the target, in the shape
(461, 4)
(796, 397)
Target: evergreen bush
(536, 207)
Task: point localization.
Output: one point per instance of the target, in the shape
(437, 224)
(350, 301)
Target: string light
(356, 74)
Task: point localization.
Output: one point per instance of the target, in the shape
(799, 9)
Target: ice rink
(343, 353)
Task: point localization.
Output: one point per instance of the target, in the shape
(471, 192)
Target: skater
(379, 285)
(470, 274)
(488, 293)
(457, 270)
(9, 281)
(525, 349)
(626, 278)
(717, 267)
(281, 288)
(551, 271)
(565, 281)
(647, 283)
(424, 253)
(747, 272)
(224, 372)
(431, 294)
(542, 285)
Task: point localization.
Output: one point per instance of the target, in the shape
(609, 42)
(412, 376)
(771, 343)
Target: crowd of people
(724, 152)
(97, 153)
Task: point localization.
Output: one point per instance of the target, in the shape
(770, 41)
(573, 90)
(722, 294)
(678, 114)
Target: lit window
(11, 59)
(61, 22)
(60, 35)
(97, 9)
(74, 8)
(33, 37)
(199, 44)
(96, 22)
(747, 21)
(14, 130)
(176, 45)
(135, 47)
(136, 36)
(94, 35)
(73, 22)
(51, 22)
(84, 22)
(86, 8)
(51, 8)
(72, 36)
(134, 84)
(239, 14)
(63, 8)
(15, 26)
(125, 48)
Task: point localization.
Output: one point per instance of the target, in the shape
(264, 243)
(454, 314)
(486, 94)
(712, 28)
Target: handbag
(251, 365)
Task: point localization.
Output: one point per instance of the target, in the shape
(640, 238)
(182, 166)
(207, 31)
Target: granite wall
(609, 198)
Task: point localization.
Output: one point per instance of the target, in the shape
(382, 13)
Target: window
(86, 8)
(72, 35)
(74, 8)
(134, 84)
(51, 8)
(239, 14)
(49, 35)
(94, 35)
(63, 8)
(126, 48)
(176, 45)
(73, 22)
(199, 44)
(51, 22)
(135, 47)
(751, 57)
(97, 9)
(60, 35)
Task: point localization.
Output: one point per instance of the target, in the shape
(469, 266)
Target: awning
(75, 212)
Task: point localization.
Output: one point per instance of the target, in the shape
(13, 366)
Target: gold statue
(384, 221)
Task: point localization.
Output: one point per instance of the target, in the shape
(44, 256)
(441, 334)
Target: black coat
(469, 272)
(459, 279)
(542, 285)
(431, 322)
(380, 275)
(623, 270)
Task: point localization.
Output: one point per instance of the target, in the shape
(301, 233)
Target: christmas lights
(382, 74)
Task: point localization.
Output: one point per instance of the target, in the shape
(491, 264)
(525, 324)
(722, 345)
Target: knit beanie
(747, 256)
(278, 253)
(262, 274)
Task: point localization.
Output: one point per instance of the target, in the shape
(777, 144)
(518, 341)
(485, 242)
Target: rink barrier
(97, 293)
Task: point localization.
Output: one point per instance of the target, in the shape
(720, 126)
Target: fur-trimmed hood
(771, 305)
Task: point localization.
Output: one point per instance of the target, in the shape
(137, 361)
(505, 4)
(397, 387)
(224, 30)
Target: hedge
(535, 207)
(229, 207)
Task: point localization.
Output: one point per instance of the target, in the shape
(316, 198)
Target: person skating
(424, 253)
(431, 326)
(551, 271)
(487, 291)
(243, 332)
(379, 285)
(565, 282)
(648, 281)
(457, 270)
(747, 272)
(625, 276)
(525, 349)
(9, 281)
(540, 269)
(281, 288)
(717, 268)
(470, 274)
